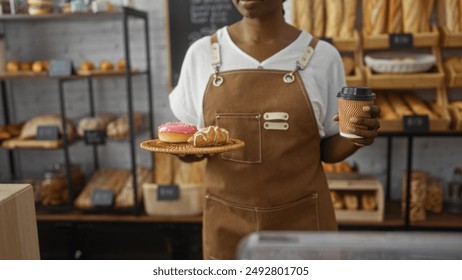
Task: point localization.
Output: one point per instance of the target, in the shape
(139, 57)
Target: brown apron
(276, 182)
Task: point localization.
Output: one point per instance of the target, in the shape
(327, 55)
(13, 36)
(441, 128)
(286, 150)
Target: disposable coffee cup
(351, 101)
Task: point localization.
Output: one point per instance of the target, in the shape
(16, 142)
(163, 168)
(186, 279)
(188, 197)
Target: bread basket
(400, 62)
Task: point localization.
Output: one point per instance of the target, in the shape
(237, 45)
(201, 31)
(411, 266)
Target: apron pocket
(246, 127)
(298, 215)
(225, 223)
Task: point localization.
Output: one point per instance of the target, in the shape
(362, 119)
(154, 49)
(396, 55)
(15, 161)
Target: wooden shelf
(347, 44)
(450, 40)
(357, 79)
(420, 40)
(62, 17)
(79, 217)
(444, 220)
(44, 76)
(392, 218)
(404, 81)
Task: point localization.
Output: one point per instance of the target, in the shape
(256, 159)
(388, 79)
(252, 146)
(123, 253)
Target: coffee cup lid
(356, 93)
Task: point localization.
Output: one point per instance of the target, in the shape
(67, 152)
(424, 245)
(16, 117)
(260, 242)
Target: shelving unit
(124, 16)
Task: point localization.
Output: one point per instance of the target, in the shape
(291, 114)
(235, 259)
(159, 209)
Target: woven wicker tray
(158, 146)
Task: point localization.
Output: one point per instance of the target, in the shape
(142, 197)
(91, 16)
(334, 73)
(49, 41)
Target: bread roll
(13, 66)
(334, 17)
(412, 13)
(377, 16)
(452, 13)
(38, 67)
(337, 200)
(319, 17)
(120, 127)
(395, 16)
(121, 64)
(29, 131)
(209, 136)
(302, 14)
(398, 105)
(99, 122)
(26, 66)
(106, 66)
(350, 8)
(368, 201)
(87, 66)
(351, 201)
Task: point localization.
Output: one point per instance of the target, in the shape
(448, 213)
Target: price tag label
(328, 40)
(168, 192)
(102, 198)
(60, 67)
(399, 41)
(417, 123)
(46, 132)
(95, 137)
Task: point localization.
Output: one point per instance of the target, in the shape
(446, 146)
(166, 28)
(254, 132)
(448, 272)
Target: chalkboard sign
(168, 192)
(189, 20)
(400, 41)
(47, 132)
(416, 123)
(95, 137)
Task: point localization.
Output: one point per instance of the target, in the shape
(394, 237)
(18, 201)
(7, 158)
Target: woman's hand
(372, 124)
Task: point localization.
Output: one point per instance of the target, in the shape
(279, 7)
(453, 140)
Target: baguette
(319, 17)
(398, 105)
(302, 15)
(452, 13)
(395, 16)
(427, 9)
(386, 111)
(334, 17)
(412, 13)
(99, 122)
(418, 105)
(348, 65)
(378, 16)
(29, 131)
(120, 127)
(349, 18)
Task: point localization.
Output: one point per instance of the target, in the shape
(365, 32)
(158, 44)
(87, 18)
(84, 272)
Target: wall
(102, 40)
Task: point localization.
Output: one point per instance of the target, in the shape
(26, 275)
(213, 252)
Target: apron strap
(303, 61)
(216, 57)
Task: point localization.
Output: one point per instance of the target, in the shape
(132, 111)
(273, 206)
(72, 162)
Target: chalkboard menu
(189, 20)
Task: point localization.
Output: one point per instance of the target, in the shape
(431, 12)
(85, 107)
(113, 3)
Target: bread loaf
(348, 65)
(368, 201)
(125, 198)
(351, 201)
(398, 105)
(386, 111)
(395, 16)
(120, 128)
(418, 105)
(377, 16)
(452, 14)
(427, 9)
(412, 13)
(302, 15)
(29, 131)
(319, 17)
(337, 200)
(350, 8)
(334, 17)
(99, 122)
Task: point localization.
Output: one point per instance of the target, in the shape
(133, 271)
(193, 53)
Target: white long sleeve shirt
(323, 77)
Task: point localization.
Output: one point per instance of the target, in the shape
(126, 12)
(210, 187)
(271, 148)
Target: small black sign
(416, 123)
(95, 137)
(47, 132)
(60, 67)
(399, 41)
(328, 40)
(168, 192)
(102, 198)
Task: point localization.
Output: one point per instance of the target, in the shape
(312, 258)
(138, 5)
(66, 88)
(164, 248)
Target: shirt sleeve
(186, 97)
(334, 84)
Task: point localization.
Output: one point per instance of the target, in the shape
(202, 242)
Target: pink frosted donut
(176, 132)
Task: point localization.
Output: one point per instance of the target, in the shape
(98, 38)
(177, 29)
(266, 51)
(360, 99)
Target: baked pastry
(120, 127)
(395, 16)
(176, 132)
(418, 105)
(452, 13)
(302, 14)
(375, 17)
(29, 131)
(40, 7)
(334, 17)
(10, 131)
(368, 201)
(26, 66)
(351, 201)
(87, 66)
(38, 67)
(347, 28)
(319, 18)
(106, 66)
(99, 122)
(386, 111)
(13, 66)
(337, 200)
(209, 136)
(398, 105)
(121, 64)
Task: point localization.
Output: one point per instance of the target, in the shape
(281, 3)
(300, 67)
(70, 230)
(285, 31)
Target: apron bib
(276, 182)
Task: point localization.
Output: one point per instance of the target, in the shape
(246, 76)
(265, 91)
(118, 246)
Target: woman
(274, 87)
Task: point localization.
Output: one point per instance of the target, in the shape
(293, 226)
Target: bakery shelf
(357, 79)
(43, 76)
(347, 44)
(450, 39)
(56, 16)
(456, 118)
(420, 40)
(453, 79)
(443, 220)
(392, 219)
(404, 81)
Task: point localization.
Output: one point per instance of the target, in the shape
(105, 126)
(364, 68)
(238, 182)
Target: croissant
(210, 136)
